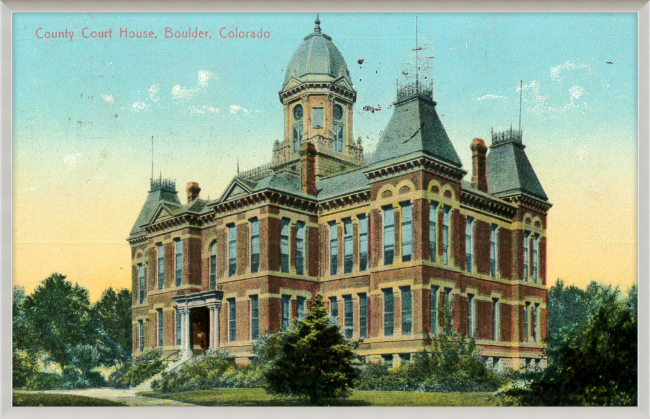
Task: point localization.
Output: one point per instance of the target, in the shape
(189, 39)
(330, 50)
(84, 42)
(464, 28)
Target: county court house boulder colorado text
(388, 239)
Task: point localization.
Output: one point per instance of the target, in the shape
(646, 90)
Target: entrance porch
(199, 317)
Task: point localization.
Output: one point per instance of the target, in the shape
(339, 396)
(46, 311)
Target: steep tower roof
(162, 191)
(509, 171)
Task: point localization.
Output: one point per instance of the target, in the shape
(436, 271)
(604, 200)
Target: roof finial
(317, 27)
(237, 166)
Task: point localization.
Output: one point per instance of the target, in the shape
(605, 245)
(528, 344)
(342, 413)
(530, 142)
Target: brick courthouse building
(388, 240)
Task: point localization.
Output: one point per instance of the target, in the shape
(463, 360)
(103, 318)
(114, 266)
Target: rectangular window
(407, 232)
(255, 317)
(255, 245)
(470, 315)
(433, 231)
(179, 324)
(405, 358)
(407, 310)
(161, 266)
(388, 360)
(493, 250)
(334, 310)
(526, 255)
(141, 335)
(348, 256)
(536, 332)
(300, 248)
(349, 316)
(434, 319)
(141, 283)
(469, 244)
(363, 315)
(317, 117)
(363, 243)
(445, 235)
(160, 327)
(334, 249)
(286, 311)
(389, 235)
(449, 307)
(526, 317)
(297, 137)
(338, 138)
(495, 320)
(284, 245)
(179, 262)
(389, 312)
(535, 256)
(232, 319)
(232, 250)
(213, 266)
(301, 307)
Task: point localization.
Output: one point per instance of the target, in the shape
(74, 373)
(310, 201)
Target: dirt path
(127, 397)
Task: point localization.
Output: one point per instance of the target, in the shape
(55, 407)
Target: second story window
(334, 249)
(161, 265)
(300, 248)
(407, 310)
(389, 312)
(535, 257)
(255, 245)
(433, 231)
(213, 265)
(179, 262)
(363, 243)
(284, 245)
(469, 244)
(445, 235)
(389, 235)
(141, 283)
(526, 255)
(493, 250)
(407, 232)
(232, 250)
(348, 257)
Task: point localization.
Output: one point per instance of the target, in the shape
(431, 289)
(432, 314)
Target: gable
(163, 213)
(235, 190)
(293, 82)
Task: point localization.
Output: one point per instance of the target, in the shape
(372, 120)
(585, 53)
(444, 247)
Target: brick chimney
(193, 191)
(308, 162)
(479, 168)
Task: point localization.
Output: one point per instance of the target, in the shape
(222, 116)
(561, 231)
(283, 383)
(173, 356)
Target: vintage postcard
(324, 209)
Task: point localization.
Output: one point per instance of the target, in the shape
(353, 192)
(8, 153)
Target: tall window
(535, 256)
(179, 262)
(469, 244)
(434, 319)
(348, 257)
(493, 250)
(141, 335)
(338, 138)
(536, 327)
(179, 323)
(255, 317)
(213, 265)
(495, 318)
(141, 282)
(334, 310)
(255, 245)
(284, 245)
(449, 307)
(317, 117)
(470, 315)
(349, 316)
(363, 315)
(363, 243)
(161, 265)
(407, 309)
(526, 320)
(526, 254)
(232, 319)
(389, 312)
(160, 327)
(232, 250)
(433, 231)
(286, 311)
(300, 248)
(407, 232)
(297, 127)
(334, 249)
(445, 235)
(389, 235)
(301, 307)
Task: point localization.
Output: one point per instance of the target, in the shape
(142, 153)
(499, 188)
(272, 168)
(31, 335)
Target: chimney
(193, 190)
(479, 168)
(308, 162)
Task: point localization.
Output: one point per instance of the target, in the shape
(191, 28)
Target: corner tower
(318, 98)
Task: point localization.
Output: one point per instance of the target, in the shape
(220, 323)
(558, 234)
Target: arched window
(213, 265)
(297, 127)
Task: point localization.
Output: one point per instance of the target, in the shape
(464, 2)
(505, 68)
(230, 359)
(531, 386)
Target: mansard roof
(162, 192)
(343, 183)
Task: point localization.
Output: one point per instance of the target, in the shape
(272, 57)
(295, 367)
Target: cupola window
(297, 127)
(317, 117)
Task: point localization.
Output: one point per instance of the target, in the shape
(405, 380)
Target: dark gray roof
(467, 186)
(414, 129)
(342, 184)
(156, 197)
(509, 171)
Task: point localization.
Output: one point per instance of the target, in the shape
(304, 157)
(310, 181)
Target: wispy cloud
(139, 106)
(153, 93)
(236, 109)
(203, 110)
(492, 97)
(108, 98)
(204, 77)
(73, 159)
(183, 93)
(556, 72)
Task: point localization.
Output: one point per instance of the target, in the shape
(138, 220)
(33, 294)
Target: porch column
(211, 330)
(215, 327)
(187, 339)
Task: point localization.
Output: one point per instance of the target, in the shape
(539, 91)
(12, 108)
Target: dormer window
(317, 117)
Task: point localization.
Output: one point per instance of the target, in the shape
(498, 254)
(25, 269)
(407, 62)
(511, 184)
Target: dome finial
(317, 27)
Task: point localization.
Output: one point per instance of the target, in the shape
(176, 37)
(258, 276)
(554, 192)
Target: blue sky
(85, 110)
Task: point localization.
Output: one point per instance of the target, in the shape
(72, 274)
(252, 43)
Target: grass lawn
(258, 397)
(41, 399)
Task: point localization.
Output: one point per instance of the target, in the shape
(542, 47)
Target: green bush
(74, 378)
(137, 370)
(44, 381)
(25, 367)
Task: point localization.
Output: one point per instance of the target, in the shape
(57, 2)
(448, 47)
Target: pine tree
(315, 361)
